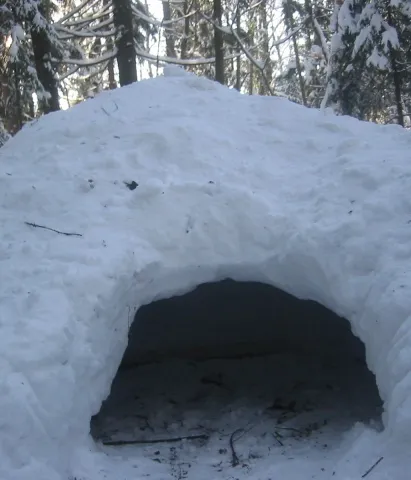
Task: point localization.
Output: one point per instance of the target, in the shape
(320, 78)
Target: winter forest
(352, 56)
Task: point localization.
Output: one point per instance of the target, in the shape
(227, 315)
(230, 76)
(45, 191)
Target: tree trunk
(184, 41)
(112, 84)
(10, 101)
(397, 87)
(396, 75)
(42, 49)
(251, 31)
(7, 105)
(168, 30)
(291, 26)
(238, 59)
(265, 50)
(10, 108)
(126, 55)
(251, 83)
(18, 123)
(238, 73)
(218, 42)
(309, 11)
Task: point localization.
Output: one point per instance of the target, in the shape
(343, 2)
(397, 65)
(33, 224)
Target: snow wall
(229, 186)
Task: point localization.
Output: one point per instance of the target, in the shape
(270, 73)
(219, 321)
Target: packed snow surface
(174, 182)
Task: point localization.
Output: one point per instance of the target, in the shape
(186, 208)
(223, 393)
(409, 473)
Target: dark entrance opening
(237, 375)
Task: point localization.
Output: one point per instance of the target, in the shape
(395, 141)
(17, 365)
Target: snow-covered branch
(252, 60)
(81, 62)
(107, 10)
(177, 61)
(83, 33)
(86, 3)
(160, 23)
(293, 32)
(320, 33)
(236, 8)
(70, 72)
(232, 31)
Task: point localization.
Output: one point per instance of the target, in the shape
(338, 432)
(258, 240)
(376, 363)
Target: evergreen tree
(371, 56)
(27, 43)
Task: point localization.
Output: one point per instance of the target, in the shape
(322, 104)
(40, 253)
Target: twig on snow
(234, 457)
(289, 428)
(155, 440)
(107, 113)
(372, 467)
(53, 230)
(277, 437)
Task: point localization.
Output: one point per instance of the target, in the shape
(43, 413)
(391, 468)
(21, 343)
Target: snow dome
(178, 185)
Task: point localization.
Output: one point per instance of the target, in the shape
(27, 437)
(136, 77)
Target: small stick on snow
(277, 437)
(106, 112)
(289, 428)
(234, 457)
(372, 467)
(53, 230)
(155, 440)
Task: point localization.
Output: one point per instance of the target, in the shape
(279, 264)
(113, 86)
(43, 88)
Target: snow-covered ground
(257, 417)
(224, 186)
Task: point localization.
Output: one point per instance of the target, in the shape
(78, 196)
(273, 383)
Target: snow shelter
(118, 208)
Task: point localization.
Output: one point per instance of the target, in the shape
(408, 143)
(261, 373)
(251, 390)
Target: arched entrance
(234, 378)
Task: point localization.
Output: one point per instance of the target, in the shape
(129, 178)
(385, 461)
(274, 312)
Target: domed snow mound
(149, 191)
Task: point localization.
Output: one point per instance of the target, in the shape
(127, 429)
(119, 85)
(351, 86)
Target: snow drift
(225, 186)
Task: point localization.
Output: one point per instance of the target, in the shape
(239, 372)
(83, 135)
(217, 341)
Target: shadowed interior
(237, 356)
(229, 318)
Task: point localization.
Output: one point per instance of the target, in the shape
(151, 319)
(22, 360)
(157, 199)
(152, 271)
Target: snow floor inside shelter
(259, 416)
